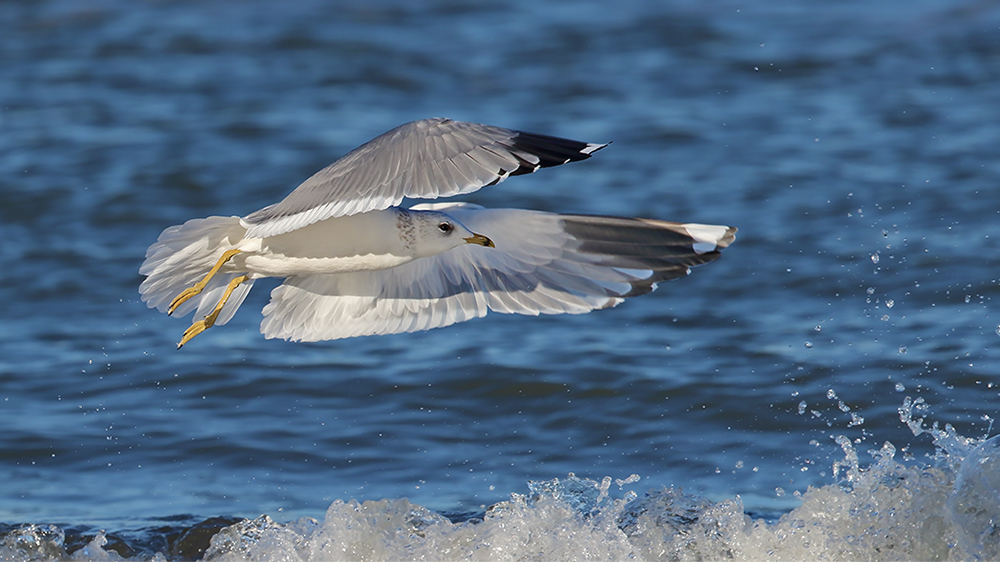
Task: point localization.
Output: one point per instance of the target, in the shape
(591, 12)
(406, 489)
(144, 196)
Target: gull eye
(445, 227)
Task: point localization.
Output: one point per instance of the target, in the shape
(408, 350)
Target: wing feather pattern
(543, 263)
(424, 159)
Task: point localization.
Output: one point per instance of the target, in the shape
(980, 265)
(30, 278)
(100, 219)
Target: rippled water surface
(853, 144)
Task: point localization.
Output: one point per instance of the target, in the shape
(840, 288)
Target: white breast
(364, 242)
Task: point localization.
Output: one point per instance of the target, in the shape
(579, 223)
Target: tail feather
(182, 256)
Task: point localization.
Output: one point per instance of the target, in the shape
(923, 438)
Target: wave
(946, 508)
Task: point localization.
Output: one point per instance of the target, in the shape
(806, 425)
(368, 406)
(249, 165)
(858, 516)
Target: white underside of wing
(324, 307)
(528, 273)
(543, 263)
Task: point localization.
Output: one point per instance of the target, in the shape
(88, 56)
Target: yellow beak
(480, 240)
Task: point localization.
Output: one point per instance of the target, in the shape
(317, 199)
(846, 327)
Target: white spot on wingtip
(637, 273)
(612, 302)
(703, 247)
(591, 147)
(706, 236)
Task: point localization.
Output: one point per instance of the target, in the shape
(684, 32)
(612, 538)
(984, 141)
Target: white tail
(182, 256)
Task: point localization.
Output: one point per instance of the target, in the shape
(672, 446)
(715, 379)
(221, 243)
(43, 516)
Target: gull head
(436, 232)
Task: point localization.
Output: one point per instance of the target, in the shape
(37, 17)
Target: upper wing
(543, 263)
(423, 159)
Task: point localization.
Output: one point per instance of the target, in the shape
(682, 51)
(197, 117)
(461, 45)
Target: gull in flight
(356, 263)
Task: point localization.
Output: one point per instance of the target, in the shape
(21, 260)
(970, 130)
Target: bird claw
(209, 321)
(195, 329)
(198, 287)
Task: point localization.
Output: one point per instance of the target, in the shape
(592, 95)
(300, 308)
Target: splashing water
(974, 505)
(949, 510)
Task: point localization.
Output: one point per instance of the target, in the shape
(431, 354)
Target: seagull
(357, 263)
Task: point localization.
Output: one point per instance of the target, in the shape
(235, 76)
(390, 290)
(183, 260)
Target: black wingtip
(550, 151)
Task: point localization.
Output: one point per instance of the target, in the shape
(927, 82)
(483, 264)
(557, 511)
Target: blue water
(854, 144)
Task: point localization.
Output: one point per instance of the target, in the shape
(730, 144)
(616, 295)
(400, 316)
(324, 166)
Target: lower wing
(543, 263)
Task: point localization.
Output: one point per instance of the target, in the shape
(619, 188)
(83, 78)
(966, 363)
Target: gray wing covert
(423, 159)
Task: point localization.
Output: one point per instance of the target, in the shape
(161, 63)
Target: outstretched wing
(423, 159)
(543, 263)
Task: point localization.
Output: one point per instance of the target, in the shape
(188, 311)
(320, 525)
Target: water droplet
(885, 317)
(818, 328)
(802, 407)
(809, 345)
(779, 491)
(630, 480)
(902, 349)
(831, 394)
(739, 465)
(889, 303)
(871, 290)
(900, 387)
(875, 257)
(968, 298)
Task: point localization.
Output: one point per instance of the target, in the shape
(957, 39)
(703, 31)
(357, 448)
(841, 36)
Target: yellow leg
(200, 285)
(209, 321)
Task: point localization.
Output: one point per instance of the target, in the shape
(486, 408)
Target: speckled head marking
(404, 223)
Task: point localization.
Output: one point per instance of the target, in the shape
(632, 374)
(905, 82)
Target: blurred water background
(853, 143)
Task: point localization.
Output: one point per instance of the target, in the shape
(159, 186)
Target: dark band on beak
(480, 240)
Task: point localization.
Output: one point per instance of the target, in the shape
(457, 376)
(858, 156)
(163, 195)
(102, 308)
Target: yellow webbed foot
(209, 321)
(184, 296)
(200, 285)
(195, 329)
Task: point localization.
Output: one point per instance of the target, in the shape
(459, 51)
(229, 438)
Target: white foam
(974, 504)
(886, 511)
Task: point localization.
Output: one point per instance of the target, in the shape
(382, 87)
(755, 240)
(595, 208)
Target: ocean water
(826, 390)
